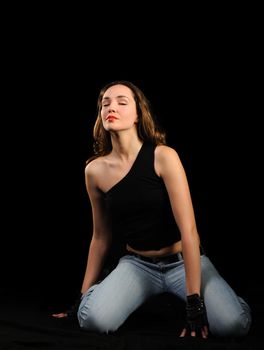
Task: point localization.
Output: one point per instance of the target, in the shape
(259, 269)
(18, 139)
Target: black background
(205, 91)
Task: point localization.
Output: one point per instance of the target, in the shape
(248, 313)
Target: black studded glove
(196, 317)
(72, 311)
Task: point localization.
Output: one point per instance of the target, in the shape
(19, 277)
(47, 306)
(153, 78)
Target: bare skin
(119, 118)
(172, 249)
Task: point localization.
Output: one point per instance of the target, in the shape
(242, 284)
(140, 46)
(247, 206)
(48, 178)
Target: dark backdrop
(209, 106)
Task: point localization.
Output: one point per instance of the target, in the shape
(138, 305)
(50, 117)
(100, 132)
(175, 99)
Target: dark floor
(25, 323)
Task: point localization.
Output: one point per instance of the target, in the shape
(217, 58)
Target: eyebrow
(119, 96)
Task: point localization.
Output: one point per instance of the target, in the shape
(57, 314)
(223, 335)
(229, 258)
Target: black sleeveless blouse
(139, 206)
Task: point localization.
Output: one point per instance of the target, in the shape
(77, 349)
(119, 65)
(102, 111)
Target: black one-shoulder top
(139, 206)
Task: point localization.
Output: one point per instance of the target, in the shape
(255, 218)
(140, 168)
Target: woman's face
(118, 109)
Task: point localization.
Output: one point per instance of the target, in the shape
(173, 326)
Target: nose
(112, 107)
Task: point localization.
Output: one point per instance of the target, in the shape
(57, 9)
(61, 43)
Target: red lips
(111, 118)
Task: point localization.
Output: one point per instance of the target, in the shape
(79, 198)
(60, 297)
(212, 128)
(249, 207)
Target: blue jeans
(106, 305)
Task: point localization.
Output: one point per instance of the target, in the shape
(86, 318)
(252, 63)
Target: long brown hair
(147, 126)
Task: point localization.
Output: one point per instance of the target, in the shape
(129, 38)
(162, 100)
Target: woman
(138, 188)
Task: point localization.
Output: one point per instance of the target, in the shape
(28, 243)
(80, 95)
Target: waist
(167, 259)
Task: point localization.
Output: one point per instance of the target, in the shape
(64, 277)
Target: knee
(93, 321)
(232, 327)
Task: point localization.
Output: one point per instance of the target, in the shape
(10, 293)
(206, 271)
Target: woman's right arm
(101, 238)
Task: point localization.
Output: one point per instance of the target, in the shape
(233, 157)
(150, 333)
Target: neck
(125, 148)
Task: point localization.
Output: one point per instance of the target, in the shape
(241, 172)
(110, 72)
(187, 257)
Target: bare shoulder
(94, 170)
(93, 167)
(166, 157)
(165, 153)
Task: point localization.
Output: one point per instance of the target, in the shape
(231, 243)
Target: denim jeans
(106, 305)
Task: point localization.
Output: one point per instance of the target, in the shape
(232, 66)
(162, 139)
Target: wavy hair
(147, 126)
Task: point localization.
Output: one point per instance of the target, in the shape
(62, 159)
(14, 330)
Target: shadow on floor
(26, 323)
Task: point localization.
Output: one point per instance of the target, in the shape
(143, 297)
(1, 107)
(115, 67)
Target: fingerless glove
(72, 311)
(196, 316)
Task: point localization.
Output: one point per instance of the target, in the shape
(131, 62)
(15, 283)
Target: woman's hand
(196, 317)
(60, 315)
(72, 312)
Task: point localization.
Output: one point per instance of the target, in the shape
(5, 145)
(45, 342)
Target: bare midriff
(172, 249)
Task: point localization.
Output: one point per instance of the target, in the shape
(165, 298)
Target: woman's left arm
(169, 167)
